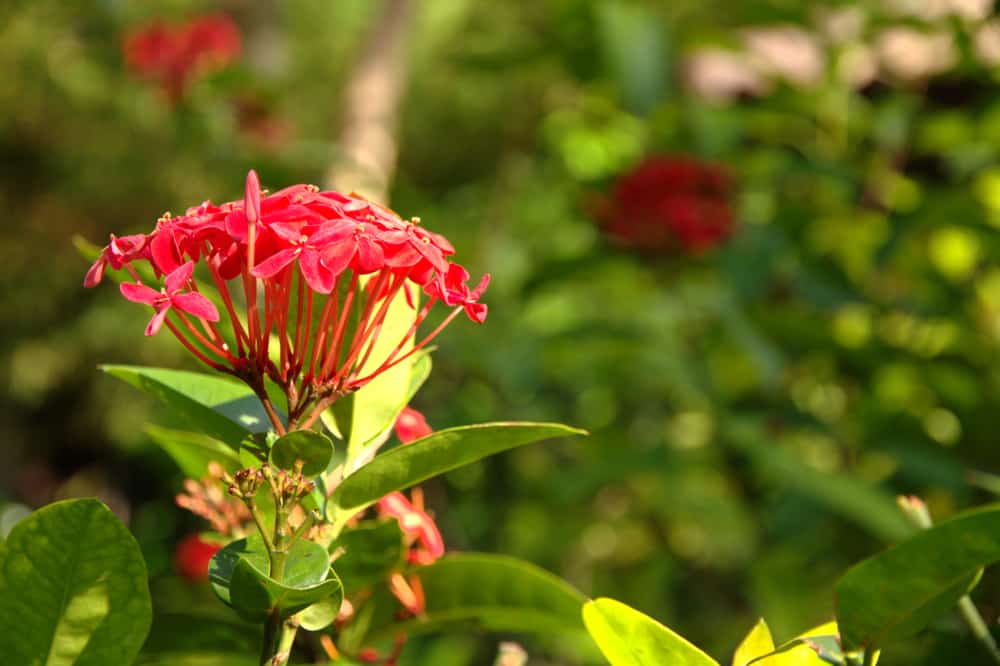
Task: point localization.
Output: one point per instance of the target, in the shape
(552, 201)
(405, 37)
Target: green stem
(278, 638)
(978, 627)
(870, 653)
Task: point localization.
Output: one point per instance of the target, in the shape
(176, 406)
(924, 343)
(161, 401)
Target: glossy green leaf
(369, 551)
(436, 454)
(219, 407)
(255, 595)
(496, 593)
(239, 574)
(899, 591)
(630, 638)
(321, 614)
(312, 448)
(73, 588)
(193, 451)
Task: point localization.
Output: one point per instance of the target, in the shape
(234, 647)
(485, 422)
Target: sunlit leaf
(73, 588)
(630, 638)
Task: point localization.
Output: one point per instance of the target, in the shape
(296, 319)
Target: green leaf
(371, 550)
(73, 588)
(755, 645)
(370, 430)
(193, 451)
(221, 408)
(239, 574)
(438, 453)
(197, 659)
(312, 448)
(321, 614)
(492, 592)
(899, 591)
(630, 638)
(865, 505)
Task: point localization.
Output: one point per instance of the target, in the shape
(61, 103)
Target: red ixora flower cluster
(174, 55)
(305, 279)
(668, 203)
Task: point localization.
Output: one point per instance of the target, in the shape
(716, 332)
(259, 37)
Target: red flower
(670, 202)
(411, 425)
(176, 55)
(193, 556)
(420, 528)
(171, 296)
(317, 272)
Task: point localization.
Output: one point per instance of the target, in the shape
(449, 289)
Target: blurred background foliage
(754, 407)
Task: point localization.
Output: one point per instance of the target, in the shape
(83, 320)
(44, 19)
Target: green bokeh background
(754, 410)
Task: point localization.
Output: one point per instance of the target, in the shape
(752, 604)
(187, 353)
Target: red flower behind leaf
(192, 557)
(670, 203)
(411, 425)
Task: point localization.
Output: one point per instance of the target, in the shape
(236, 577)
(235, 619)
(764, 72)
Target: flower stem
(279, 635)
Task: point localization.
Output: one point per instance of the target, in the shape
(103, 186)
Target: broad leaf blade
(493, 592)
(755, 645)
(436, 454)
(193, 451)
(221, 408)
(899, 591)
(240, 577)
(312, 448)
(73, 588)
(630, 638)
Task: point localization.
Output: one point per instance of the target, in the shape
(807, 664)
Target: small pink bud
(251, 199)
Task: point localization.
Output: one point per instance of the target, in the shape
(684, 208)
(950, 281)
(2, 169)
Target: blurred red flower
(192, 557)
(176, 55)
(670, 202)
(411, 425)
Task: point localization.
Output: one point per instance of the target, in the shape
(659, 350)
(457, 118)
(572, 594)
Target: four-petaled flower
(171, 296)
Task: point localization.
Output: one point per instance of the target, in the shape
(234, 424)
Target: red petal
(157, 321)
(370, 257)
(274, 264)
(236, 225)
(95, 274)
(337, 256)
(476, 311)
(179, 277)
(139, 293)
(164, 251)
(318, 277)
(196, 304)
(287, 231)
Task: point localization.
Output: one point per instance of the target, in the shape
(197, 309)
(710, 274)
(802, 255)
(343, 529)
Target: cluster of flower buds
(287, 487)
(245, 483)
(670, 203)
(175, 55)
(314, 272)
